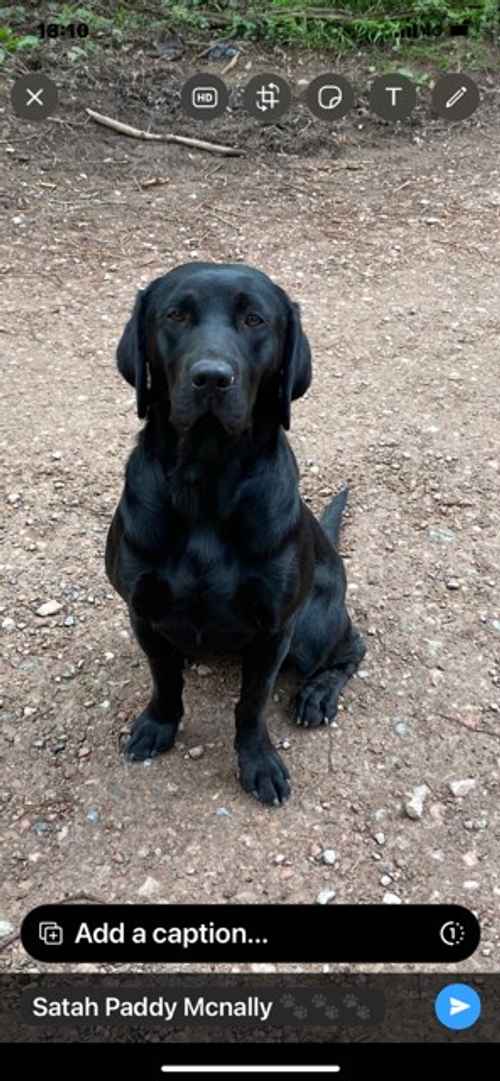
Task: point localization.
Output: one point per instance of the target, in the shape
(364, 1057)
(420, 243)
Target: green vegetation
(309, 23)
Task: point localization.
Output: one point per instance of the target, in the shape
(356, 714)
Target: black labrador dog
(211, 546)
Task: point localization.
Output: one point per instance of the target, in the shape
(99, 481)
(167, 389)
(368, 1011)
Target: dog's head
(215, 340)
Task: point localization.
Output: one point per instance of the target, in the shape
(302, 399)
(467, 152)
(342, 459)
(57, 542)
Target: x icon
(34, 97)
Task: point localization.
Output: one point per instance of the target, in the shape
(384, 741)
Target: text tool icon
(329, 97)
(455, 97)
(393, 97)
(34, 97)
(267, 97)
(458, 1006)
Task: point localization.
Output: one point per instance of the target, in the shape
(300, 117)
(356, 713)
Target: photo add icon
(455, 97)
(204, 97)
(267, 98)
(329, 97)
(393, 97)
(34, 97)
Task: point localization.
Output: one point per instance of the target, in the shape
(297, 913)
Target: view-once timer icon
(452, 933)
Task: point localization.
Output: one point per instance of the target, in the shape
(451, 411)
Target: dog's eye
(176, 315)
(252, 320)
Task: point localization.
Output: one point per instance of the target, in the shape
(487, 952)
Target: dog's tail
(332, 515)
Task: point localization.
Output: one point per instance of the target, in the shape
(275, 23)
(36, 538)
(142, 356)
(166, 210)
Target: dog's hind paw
(317, 701)
(149, 737)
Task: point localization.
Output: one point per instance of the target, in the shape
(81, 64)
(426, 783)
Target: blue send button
(458, 1006)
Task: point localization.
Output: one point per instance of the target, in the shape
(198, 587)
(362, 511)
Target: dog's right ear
(131, 355)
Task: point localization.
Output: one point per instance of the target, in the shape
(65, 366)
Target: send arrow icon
(458, 1006)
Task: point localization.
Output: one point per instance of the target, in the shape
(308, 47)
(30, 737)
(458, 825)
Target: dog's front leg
(262, 771)
(155, 729)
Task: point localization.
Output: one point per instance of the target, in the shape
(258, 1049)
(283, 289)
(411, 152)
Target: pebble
(414, 807)
(401, 728)
(92, 815)
(385, 880)
(329, 856)
(29, 711)
(379, 838)
(222, 812)
(8, 625)
(40, 826)
(84, 752)
(6, 928)
(496, 624)
(49, 608)
(462, 788)
(196, 752)
(69, 621)
(203, 670)
(443, 536)
(391, 899)
(453, 583)
(325, 896)
(149, 887)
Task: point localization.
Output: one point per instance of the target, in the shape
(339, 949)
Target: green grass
(340, 24)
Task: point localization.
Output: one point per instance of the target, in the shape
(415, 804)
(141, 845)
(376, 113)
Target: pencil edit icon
(455, 97)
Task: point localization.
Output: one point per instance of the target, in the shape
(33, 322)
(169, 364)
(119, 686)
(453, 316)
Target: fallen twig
(184, 140)
(232, 64)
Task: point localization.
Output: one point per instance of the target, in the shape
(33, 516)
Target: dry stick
(137, 133)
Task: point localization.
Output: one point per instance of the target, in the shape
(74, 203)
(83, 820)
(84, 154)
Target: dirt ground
(390, 240)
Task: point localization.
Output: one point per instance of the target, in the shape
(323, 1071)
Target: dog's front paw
(149, 737)
(264, 775)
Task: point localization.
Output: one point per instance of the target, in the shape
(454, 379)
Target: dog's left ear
(131, 355)
(296, 371)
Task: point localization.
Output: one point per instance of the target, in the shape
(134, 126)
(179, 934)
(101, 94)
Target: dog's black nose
(211, 375)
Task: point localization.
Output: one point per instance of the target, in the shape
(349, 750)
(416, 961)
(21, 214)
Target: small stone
(470, 859)
(222, 812)
(6, 928)
(453, 583)
(462, 788)
(84, 752)
(69, 621)
(325, 896)
(286, 744)
(203, 670)
(149, 887)
(92, 815)
(442, 536)
(391, 899)
(40, 826)
(8, 625)
(385, 880)
(196, 752)
(39, 743)
(471, 884)
(414, 807)
(401, 728)
(495, 623)
(379, 838)
(49, 608)
(329, 856)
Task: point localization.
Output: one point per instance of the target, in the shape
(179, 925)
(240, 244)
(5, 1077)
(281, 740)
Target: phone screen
(250, 609)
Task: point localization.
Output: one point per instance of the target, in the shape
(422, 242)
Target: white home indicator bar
(251, 1069)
